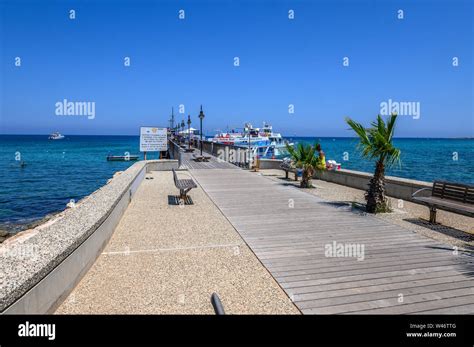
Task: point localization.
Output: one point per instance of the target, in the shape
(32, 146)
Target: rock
(3, 233)
(2, 239)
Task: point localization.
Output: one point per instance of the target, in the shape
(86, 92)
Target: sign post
(153, 139)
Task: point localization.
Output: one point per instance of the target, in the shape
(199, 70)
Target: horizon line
(285, 136)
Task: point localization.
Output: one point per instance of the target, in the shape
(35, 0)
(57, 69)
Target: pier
(288, 231)
(263, 245)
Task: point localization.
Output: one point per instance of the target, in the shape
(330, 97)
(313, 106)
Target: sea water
(58, 171)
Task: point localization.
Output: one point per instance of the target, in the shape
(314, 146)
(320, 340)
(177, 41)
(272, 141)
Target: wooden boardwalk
(289, 231)
(188, 162)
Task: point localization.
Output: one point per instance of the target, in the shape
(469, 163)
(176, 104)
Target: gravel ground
(453, 229)
(169, 259)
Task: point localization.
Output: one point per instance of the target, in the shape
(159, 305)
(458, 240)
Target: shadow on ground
(176, 201)
(442, 229)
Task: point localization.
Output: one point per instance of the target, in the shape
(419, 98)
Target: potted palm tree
(304, 158)
(376, 144)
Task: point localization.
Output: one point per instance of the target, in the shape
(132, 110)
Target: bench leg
(296, 177)
(286, 174)
(183, 193)
(433, 215)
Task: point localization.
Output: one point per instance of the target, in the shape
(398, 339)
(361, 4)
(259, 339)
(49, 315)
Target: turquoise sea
(58, 171)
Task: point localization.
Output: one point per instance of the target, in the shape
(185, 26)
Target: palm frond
(391, 126)
(376, 141)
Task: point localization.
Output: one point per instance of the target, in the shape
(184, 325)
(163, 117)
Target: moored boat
(263, 142)
(122, 157)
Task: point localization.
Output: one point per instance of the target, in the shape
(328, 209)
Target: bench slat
(449, 196)
(451, 206)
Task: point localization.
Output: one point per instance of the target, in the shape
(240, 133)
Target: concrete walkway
(169, 259)
(382, 268)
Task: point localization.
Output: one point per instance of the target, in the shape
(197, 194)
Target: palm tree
(376, 143)
(304, 158)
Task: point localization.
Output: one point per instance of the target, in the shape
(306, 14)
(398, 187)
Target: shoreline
(12, 229)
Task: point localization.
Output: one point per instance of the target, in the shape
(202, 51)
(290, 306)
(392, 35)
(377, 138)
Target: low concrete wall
(162, 165)
(40, 267)
(175, 151)
(400, 188)
(267, 164)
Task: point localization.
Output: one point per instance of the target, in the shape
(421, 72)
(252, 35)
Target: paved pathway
(290, 232)
(169, 259)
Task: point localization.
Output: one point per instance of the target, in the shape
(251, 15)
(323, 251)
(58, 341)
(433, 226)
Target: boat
(56, 136)
(122, 157)
(263, 142)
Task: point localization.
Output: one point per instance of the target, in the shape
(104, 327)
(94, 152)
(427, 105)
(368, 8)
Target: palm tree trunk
(375, 195)
(306, 179)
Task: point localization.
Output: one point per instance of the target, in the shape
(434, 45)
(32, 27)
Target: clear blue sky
(191, 62)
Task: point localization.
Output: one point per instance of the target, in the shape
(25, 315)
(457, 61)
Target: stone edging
(41, 266)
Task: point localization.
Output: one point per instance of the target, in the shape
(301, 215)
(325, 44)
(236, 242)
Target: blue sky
(191, 62)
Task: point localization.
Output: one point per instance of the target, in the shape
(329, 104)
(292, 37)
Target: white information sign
(153, 139)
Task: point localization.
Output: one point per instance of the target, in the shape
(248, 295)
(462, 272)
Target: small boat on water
(122, 157)
(56, 136)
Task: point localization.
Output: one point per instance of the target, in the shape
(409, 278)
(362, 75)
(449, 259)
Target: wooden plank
(373, 272)
(410, 304)
(461, 309)
(312, 293)
(388, 294)
(444, 303)
(290, 242)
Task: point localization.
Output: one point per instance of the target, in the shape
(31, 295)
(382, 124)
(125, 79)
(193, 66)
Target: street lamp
(201, 117)
(172, 119)
(248, 126)
(182, 128)
(189, 132)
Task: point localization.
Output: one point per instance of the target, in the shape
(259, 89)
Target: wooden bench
(184, 185)
(201, 158)
(287, 168)
(448, 196)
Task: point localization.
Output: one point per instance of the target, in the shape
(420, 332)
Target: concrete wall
(266, 164)
(175, 151)
(400, 188)
(39, 282)
(162, 165)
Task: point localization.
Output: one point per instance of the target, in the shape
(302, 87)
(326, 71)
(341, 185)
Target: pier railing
(175, 151)
(237, 155)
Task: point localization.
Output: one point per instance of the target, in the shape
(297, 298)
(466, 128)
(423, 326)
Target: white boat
(263, 141)
(56, 136)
